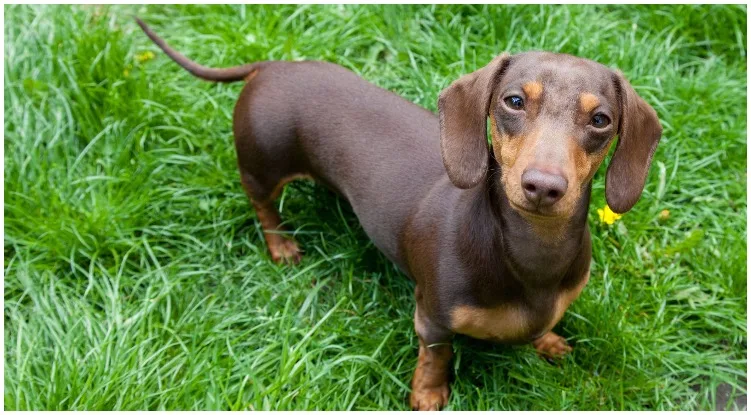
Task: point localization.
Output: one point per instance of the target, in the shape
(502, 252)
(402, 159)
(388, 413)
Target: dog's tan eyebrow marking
(588, 102)
(532, 89)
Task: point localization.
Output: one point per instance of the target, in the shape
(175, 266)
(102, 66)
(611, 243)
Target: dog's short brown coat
(448, 210)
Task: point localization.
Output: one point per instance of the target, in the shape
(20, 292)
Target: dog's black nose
(543, 189)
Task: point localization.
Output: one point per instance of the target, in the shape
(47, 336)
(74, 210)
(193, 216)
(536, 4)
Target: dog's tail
(233, 74)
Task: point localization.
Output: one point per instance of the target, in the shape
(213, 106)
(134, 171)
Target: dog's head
(553, 119)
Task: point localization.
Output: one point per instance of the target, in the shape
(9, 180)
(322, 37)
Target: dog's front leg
(430, 384)
(551, 345)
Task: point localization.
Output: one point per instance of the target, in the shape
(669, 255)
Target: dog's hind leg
(281, 249)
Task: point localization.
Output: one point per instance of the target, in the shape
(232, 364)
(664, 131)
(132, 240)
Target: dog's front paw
(551, 345)
(429, 399)
(285, 251)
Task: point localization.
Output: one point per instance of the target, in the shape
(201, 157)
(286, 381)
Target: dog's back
(381, 152)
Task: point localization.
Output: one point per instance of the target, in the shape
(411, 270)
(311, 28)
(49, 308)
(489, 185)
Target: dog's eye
(600, 120)
(514, 102)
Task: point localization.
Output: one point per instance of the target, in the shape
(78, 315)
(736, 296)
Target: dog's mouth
(533, 212)
(529, 211)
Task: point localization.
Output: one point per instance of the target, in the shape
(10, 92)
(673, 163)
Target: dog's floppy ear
(639, 131)
(463, 112)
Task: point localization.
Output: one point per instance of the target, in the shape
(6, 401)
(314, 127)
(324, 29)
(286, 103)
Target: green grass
(136, 276)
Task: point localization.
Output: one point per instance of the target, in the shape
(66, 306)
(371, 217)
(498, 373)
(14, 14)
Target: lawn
(136, 276)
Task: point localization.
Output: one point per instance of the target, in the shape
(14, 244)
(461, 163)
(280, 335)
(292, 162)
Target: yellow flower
(664, 215)
(608, 216)
(145, 56)
(126, 73)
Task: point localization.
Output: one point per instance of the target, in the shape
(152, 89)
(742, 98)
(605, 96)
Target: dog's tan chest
(512, 322)
(503, 323)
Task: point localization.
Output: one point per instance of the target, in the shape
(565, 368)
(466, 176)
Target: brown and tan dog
(496, 241)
